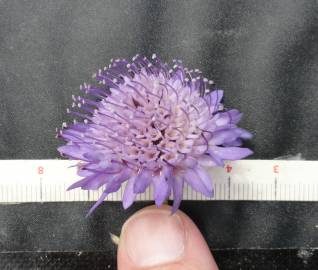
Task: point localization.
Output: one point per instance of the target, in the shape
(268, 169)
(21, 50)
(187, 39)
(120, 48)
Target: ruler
(268, 180)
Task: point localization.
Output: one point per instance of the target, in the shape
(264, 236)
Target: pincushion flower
(150, 124)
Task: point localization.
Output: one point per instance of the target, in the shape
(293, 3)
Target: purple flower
(151, 124)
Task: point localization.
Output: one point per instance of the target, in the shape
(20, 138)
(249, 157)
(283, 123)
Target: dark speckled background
(264, 54)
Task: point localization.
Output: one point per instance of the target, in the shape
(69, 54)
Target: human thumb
(153, 239)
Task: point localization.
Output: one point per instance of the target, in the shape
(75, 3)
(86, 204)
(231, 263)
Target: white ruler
(274, 180)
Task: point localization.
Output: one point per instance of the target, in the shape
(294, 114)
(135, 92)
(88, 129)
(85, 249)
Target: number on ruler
(276, 168)
(40, 170)
(228, 168)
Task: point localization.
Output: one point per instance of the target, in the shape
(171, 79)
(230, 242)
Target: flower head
(151, 124)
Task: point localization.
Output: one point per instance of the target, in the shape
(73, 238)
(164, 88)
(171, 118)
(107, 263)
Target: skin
(152, 229)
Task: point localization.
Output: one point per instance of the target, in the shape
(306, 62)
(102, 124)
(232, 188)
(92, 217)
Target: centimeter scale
(268, 180)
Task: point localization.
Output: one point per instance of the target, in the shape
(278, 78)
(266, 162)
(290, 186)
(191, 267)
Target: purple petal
(194, 180)
(237, 142)
(205, 178)
(235, 116)
(111, 168)
(231, 153)
(161, 189)
(228, 117)
(189, 162)
(77, 184)
(206, 160)
(84, 173)
(214, 98)
(100, 200)
(116, 182)
(177, 192)
(113, 186)
(92, 182)
(242, 133)
(142, 181)
(73, 151)
(94, 156)
(223, 136)
(129, 195)
(216, 158)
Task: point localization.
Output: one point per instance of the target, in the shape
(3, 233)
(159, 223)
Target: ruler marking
(308, 191)
(275, 188)
(262, 193)
(252, 191)
(248, 181)
(249, 191)
(229, 187)
(266, 195)
(238, 191)
(224, 190)
(41, 190)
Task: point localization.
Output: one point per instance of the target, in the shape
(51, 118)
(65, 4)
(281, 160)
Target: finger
(154, 239)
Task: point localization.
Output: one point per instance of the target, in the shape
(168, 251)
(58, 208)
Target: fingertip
(153, 237)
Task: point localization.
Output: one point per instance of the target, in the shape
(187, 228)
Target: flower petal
(214, 98)
(92, 182)
(161, 189)
(205, 178)
(98, 202)
(242, 133)
(206, 160)
(142, 181)
(194, 180)
(113, 186)
(177, 192)
(223, 136)
(228, 117)
(231, 153)
(117, 180)
(216, 158)
(129, 195)
(73, 151)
